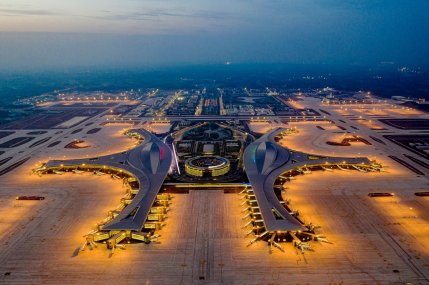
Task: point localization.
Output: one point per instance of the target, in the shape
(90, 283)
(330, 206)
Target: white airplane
(303, 246)
(242, 197)
(321, 239)
(39, 169)
(114, 176)
(247, 224)
(278, 246)
(257, 238)
(59, 172)
(77, 171)
(327, 169)
(339, 167)
(246, 216)
(358, 168)
(312, 226)
(362, 169)
(99, 173)
(154, 237)
(243, 191)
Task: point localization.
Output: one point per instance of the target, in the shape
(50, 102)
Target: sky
(145, 33)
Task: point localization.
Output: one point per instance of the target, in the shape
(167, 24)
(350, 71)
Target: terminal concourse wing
(148, 163)
(265, 161)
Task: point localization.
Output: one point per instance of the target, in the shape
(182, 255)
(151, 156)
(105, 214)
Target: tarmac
(382, 240)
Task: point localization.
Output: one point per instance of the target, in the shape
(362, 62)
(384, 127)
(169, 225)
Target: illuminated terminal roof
(265, 161)
(210, 165)
(148, 163)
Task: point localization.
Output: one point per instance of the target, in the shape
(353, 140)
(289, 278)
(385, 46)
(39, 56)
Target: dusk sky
(61, 34)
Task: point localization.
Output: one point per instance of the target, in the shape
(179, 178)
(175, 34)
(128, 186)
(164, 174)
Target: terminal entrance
(184, 188)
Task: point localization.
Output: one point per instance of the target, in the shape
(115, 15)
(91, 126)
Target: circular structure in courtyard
(207, 166)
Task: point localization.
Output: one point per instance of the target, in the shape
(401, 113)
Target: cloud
(158, 14)
(26, 12)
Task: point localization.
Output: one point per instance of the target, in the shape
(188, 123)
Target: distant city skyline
(50, 33)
